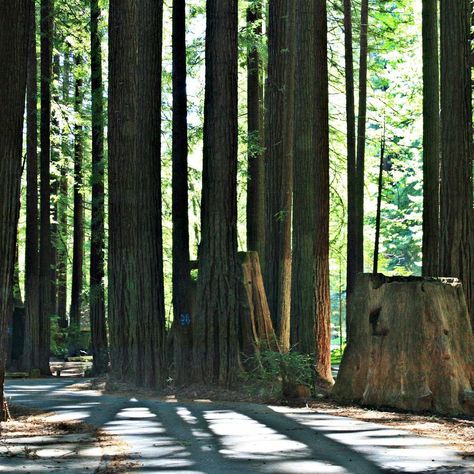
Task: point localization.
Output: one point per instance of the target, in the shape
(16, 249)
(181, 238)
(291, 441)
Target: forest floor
(32, 437)
(217, 431)
(458, 432)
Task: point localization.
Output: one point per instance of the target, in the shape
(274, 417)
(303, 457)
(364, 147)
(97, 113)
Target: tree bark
(78, 238)
(352, 247)
(358, 197)
(279, 102)
(256, 326)
(182, 301)
(431, 138)
(14, 26)
(97, 271)
(62, 240)
(256, 163)
(32, 321)
(47, 303)
(216, 356)
(456, 232)
(136, 292)
(310, 301)
(411, 346)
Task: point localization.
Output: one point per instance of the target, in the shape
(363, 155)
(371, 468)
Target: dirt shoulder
(32, 438)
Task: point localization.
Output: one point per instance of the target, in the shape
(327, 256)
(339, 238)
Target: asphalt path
(207, 437)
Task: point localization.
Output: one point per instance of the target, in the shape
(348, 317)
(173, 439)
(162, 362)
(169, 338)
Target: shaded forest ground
(457, 432)
(32, 436)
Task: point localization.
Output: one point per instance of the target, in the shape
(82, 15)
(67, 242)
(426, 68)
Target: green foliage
(268, 371)
(59, 347)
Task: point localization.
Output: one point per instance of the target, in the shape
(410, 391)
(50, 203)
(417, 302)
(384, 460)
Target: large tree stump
(257, 331)
(410, 346)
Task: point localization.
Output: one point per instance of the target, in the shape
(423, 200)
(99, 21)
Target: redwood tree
(356, 245)
(182, 298)
(136, 294)
(256, 164)
(97, 297)
(431, 138)
(14, 27)
(279, 164)
(78, 237)
(32, 328)
(215, 329)
(311, 302)
(352, 238)
(47, 300)
(456, 231)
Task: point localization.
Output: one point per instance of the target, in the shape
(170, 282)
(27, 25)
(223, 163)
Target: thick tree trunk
(215, 329)
(352, 247)
(78, 242)
(456, 231)
(256, 163)
(47, 303)
(136, 293)
(411, 346)
(14, 26)
(279, 102)
(310, 301)
(182, 301)
(431, 138)
(97, 272)
(256, 331)
(32, 321)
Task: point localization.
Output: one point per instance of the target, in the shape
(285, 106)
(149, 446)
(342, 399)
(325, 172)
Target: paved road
(201, 438)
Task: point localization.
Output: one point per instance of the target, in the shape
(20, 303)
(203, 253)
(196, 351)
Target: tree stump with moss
(410, 346)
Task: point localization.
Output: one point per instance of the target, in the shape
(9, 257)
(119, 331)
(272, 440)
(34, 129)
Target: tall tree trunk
(136, 292)
(97, 272)
(431, 138)
(358, 196)
(32, 321)
(78, 242)
(181, 272)
(279, 164)
(310, 301)
(352, 248)
(55, 177)
(216, 324)
(61, 246)
(256, 163)
(14, 26)
(456, 232)
(47, 304)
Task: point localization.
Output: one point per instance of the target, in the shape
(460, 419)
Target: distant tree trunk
(136, 291)
(352, 248)
(431, 138)
(55, 178)
(358, 196)
(47, 304)
(279, 165)
(78, 243)
(14, 26)
(456, 254)
(61, 246)
(32, 321)
(256, 163)
(181, 271)
(97, 272)
(310, 301)
(216, 353)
